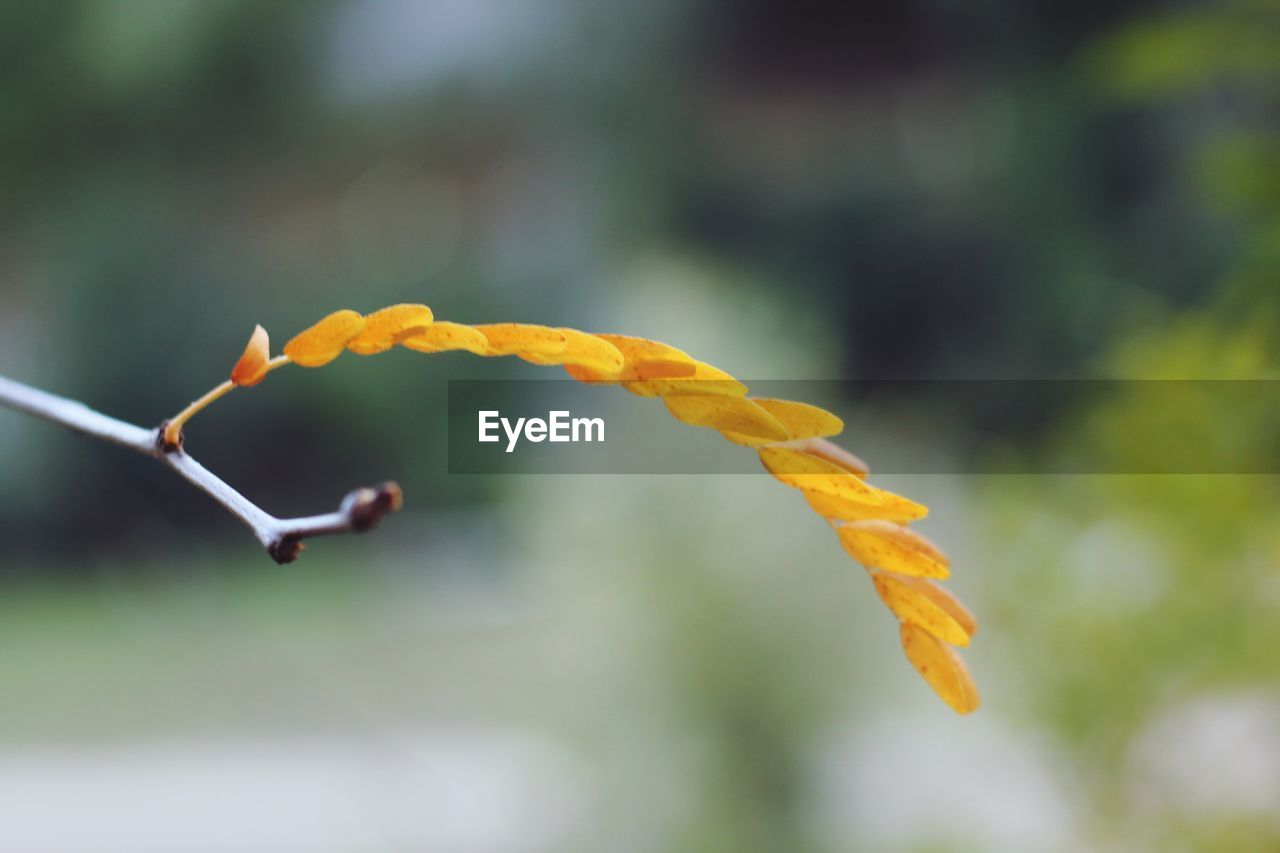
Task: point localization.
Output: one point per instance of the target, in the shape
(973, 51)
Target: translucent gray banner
(1068, 427)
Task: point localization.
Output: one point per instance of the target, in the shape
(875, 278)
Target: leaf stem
(173, 426)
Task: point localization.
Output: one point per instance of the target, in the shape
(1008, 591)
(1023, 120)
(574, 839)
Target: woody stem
(360, 510)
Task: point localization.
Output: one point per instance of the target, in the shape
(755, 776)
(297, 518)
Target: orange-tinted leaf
(705, 379)
(443, 336)
(894, 548)
(913, 605)
(892, 508)
(252, 366)
(520, 338)
(800, 470)
(801, 420)
(382, 329)
(941, 667)
(582, 350)
(736, 414)
(325, 341)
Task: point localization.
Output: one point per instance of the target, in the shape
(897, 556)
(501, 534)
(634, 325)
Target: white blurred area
(1213, 756)
(453, 792)
(584, 702)
(918, 783)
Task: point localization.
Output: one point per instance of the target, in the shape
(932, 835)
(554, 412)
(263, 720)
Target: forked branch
(359, 511)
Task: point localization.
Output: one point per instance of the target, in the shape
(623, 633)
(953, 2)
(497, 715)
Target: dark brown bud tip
(366, 507)
(286, 550)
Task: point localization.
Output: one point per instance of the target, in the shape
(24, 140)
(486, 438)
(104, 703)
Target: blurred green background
(787, 190)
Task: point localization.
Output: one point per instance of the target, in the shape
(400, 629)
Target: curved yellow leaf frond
(790, 438)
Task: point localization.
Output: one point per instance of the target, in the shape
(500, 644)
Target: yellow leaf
(727, 413)
(522, 338)
(382, 329)
(705, 379)
(645, 359)
(831, 452)
(443, 336)
(800, 419)
(892, 547)
(942, 597)
(941, 667)
(641, 350)
(582, 350)
(252, 366)
(892, 508)
(323, 342)
(657, 369)
(913, 605)
(800, 470)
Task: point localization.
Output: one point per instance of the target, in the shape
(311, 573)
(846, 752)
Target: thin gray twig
(360, 510)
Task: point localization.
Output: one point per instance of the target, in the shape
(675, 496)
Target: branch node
(163, 444)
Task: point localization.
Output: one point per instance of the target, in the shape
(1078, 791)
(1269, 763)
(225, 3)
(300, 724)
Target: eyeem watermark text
(560, 426)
